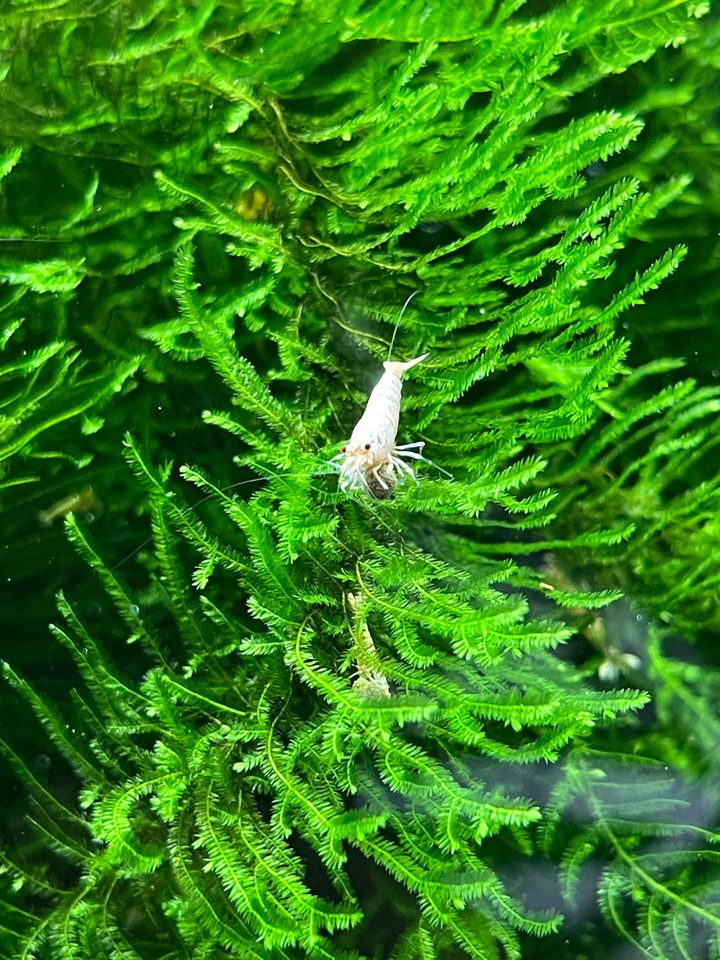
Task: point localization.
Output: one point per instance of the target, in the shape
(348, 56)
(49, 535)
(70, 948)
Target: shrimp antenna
(392, 342)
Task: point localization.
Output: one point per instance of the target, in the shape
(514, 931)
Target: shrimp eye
(367, 446)
(343, 449)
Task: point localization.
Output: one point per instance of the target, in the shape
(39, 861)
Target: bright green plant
(44, 383)
(336, 697)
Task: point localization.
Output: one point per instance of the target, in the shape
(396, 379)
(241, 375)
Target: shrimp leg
(379, 478)
(394, 461)
(419, 456)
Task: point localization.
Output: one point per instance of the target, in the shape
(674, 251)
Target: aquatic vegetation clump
(346, 725)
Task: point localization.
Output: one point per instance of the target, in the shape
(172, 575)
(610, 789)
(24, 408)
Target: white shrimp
(372, 450)
(371, 458)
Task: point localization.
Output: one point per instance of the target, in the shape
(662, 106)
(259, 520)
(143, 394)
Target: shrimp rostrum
(371, 458)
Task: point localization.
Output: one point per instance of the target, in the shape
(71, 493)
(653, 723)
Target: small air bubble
(594, 170)
(626, 325)
(42, 763)
(716, 373)
(134, 610)
(93, 611)
(639, 617)
(483, 310)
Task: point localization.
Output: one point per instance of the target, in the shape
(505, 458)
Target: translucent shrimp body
(371, 456)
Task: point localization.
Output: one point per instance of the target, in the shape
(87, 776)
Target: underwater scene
(359, 480)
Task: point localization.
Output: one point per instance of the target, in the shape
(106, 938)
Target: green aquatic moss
(349, 726)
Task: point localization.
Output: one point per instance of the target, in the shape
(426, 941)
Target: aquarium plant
(469, 713)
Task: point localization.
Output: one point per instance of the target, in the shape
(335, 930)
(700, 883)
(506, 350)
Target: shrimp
(371, 451)
(371, 458)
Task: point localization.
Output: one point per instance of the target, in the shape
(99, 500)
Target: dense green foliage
(349, 726)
